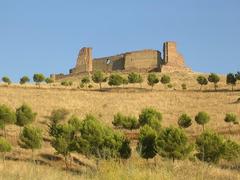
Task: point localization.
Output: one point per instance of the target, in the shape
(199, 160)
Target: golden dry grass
(129, 100)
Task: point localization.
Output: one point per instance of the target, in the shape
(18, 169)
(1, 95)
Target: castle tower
(171, 56)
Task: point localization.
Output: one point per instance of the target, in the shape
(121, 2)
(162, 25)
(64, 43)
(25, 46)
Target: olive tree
(24, 80)
(214, 78)
(127, 122)
(231, 80)
(6, 80)
(38, 78)
(99, 77)
(7, 116)
(202, 81)
(184, 121)
(152, 79)
(202, 118)
(5, 147)
(146, 146)
(173, 143)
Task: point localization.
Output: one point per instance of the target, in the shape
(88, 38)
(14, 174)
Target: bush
(115, 80)
(127, 122)
(135, 78)
(125, 149)
(202, 118)
(170, 86)
(184, 86)
(7, 116)
(6, 80)
(38, 78)
(214, 78)
(5, 147)
(24, 80)
(231, 150)
(99, 77)
(202, 81)
(49, 80)
(66, 83)
(90, 86)
(151, 117)
(25, 115)
(210, 147)
(184, 121)
(237, 76)
(146, 146)
(85, 80)
(173, 143)
(231, 119)
(231, 79)
(165, 79)
(152, 79)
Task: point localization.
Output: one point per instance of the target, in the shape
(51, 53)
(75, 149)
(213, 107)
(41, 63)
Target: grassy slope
(129, 101)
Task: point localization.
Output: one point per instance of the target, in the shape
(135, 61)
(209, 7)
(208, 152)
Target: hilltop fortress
(147, 60)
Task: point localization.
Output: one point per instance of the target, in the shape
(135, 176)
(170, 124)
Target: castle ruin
(147, 60)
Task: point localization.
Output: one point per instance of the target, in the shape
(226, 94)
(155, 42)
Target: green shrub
(231, 80)
(151, 117)
(184, 121)
(202, 81)
(135, 78)
(5, 147)
(184, 86)
(99, 77)
(127, 122)
(170, 86)
(85, 80)
(165, 79)
(230, 118)
(49, 80)
(66, 83)
(231, 150)
(38, 78)
(115, 80)
(202, 118)
(90, 86)
(24, 80)
(6, 80)
(118, 119)
(25, 115)
(7, 116)
(173, 143)
(214, 78)
(146, 146)
(152, 79)
(210, 147)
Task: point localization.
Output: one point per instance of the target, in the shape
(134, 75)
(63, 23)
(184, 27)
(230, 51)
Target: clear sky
(46, 35)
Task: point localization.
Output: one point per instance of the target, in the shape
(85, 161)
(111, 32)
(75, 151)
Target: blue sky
(45, 36)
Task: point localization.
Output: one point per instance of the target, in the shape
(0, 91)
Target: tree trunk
(203, 127)
(100, 85)
(66, 163)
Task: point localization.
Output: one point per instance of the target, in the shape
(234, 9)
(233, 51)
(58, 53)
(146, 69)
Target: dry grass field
(130, 99)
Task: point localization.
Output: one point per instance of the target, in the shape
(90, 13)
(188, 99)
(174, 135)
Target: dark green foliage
(24, 80)
(127, 122)
(202, 81)
(237, 75)
(146, 146)
(31, 138)
(231, 150)
(151, 117)
(231, 79)
(99, 77)
(66, 83)
(170, 86)
(135, 78)
(152, 79)
(184, 86)
(184, 121)
(7, 116)
(125, 81)
(5, 147)
(165, 79)
(214, 78)
(6, 79)
(210, 147)
(90, 86)
(49, 80)
(85, 80)
(202, 118)
(173, 143)
(125, 150)
(231, 119)
(25, 115)
(38, 78)
(115, 80)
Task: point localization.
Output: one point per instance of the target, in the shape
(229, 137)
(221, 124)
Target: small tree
(146, 146)
(49, 80)
(85, 80)
(237, 76)
(25, 115)
(230, 118)
(7, 116)
(24, 80)
(151, 117)
(184, 121)
(6, 80)
(210, 147)
(38, 78)
(214, 78)
(152, 79)
(135, 78)
(165, 79)
(231, 80)
(202, 118)
(173, 143)
(31, 138)
(99, 77)
(115, 80)
(5, 147)
(231, 150)
(202, 81)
